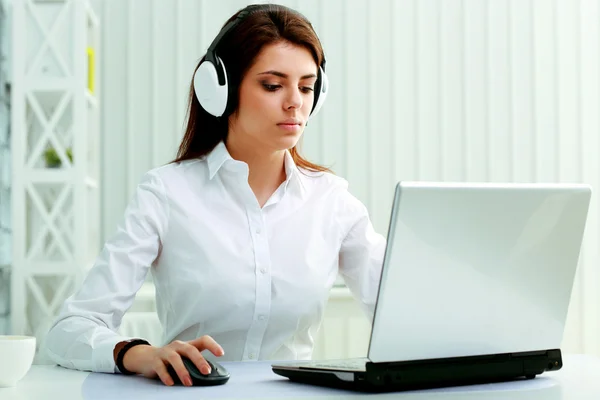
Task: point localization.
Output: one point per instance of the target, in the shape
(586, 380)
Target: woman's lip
(289, 127)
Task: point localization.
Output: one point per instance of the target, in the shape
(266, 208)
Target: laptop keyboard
(350, 364)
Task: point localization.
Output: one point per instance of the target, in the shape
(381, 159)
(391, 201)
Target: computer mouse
(218, 374)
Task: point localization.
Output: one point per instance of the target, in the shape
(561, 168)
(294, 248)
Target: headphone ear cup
(210, 94)
(323, 90)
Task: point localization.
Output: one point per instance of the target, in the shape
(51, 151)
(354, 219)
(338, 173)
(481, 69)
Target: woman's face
(276, 97)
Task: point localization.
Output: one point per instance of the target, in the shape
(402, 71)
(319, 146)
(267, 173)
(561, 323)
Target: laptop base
(429, 374)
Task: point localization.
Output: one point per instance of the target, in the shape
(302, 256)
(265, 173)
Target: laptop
(475, 286)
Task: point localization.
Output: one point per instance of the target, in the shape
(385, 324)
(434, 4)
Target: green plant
(52, 158)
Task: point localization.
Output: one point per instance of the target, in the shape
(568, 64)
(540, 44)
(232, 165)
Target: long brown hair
(238, 49)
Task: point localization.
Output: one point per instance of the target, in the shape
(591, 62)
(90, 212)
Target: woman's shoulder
(335, 188)
(169, 179)
(174, 170)
(322, 179)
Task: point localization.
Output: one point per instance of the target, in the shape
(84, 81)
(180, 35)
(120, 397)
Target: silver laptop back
(477, 269)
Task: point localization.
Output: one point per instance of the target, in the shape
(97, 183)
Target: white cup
(16, 357)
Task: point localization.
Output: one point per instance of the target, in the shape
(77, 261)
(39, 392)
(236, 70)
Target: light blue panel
(428, 97)
(452, 95)
(500, 92)
(476, 90)
(114, 123)
(163, 116)
(590, 125)
(546, 78)
(404, 88)
(333, 122)
(356, 97)
(379, 112)
(568, 63)
(138, 90)
(189, 34)
(522, 91)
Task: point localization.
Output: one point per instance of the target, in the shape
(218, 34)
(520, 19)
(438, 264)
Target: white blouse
(256, 280)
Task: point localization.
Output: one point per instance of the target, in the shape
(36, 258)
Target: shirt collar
(293, 174)
(216, 158)
(220, 155)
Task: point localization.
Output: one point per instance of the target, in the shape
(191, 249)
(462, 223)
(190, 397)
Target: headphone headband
(232, 24)
(212, 49)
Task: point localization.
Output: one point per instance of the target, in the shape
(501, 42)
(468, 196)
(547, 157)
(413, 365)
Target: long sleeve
(361, 253)
(85, 332)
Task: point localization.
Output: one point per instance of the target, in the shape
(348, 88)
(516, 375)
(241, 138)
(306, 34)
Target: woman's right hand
(151, 361)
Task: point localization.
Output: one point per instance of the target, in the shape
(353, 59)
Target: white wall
(466, 90)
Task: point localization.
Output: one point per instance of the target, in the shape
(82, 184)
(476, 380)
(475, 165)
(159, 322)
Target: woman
(244, 237)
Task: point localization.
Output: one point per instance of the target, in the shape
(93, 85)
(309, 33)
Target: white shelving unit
(5, 178)
(55, 156)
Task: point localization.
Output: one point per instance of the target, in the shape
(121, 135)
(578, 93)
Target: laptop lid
(477, 269)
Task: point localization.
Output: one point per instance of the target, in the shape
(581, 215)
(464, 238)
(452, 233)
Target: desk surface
(578, 379)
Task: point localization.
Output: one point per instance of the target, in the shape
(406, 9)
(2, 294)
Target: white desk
(579, 379)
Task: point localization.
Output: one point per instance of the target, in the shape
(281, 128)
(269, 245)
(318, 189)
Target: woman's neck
(266, 168)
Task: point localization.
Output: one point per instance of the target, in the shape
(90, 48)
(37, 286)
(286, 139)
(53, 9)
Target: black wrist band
(121, 355)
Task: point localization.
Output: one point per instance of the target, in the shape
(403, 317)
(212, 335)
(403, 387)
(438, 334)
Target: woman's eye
(270, 88)
(306, 89)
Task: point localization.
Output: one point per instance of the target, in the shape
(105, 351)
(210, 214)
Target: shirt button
(258, 231)
(251, 356)
(263, 270)
(261, 317)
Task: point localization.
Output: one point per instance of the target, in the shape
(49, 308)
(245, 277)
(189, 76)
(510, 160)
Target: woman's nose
(293, 100)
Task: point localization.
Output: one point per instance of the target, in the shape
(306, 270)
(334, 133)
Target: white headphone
(211, 82)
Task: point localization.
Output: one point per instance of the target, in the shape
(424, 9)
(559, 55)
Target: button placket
(263, 285)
